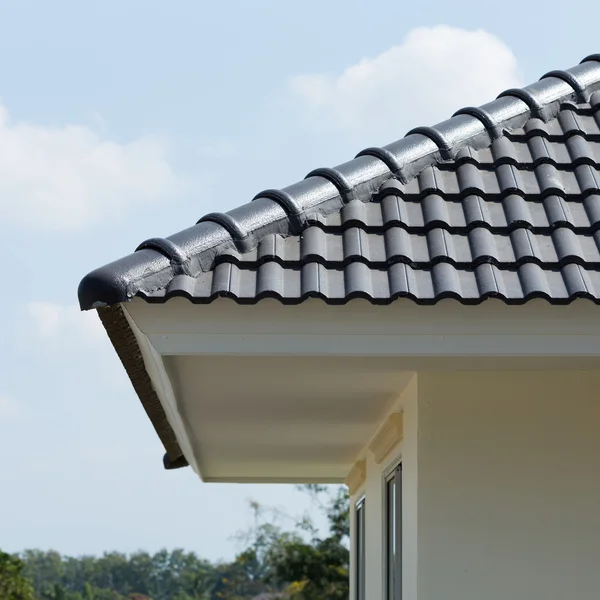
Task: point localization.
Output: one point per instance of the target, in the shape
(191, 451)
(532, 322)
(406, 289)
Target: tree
(13, 584)
(301, 564)
(317, 569)
(43, 569)
(290, 563)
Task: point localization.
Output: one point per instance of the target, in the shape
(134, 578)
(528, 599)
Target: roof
(501, 200)
(498, 201)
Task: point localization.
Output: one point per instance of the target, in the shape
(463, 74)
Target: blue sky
(124, 120)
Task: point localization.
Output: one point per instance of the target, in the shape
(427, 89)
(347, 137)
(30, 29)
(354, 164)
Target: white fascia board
(404, 329)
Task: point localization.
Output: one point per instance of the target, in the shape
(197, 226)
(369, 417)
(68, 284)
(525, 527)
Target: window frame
(393, 563)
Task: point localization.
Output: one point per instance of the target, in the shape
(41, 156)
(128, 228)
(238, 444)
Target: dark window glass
(360, 551)
(394, 534)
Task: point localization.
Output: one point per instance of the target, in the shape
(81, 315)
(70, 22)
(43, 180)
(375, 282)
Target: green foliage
(317, 569)
(165, 575)
(13, 584)
(275, 564)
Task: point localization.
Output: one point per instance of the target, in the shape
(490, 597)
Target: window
(360, 550)
(393, 504)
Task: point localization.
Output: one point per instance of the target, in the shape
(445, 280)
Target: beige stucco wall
(501, 488)
(509, 486)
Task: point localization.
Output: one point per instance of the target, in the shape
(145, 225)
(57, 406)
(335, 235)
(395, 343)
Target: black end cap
(102, 287)
(177, 463)
(113, 283)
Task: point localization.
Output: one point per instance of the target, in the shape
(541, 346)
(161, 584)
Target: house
(421, 323)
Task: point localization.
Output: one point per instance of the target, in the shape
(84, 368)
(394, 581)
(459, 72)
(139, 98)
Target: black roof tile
(498, 201)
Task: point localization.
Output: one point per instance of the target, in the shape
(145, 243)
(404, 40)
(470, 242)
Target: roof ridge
(326, 190)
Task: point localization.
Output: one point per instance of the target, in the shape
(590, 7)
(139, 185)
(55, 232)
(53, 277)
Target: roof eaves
(125, 344)
(156, 261)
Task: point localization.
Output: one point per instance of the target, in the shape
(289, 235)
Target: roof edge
(125, 344)
(325, 190)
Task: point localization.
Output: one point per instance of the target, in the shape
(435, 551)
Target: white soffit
(292, 393)
(282, 416)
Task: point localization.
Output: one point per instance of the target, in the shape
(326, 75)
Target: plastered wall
(501, 488)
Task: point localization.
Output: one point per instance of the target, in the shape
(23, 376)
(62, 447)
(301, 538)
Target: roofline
(156, 261)
(286, 211)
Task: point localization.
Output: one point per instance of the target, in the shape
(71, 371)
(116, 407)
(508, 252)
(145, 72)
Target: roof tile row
(537, 180)
(568, 152)
(462, 214)
(382, 286)
(398, 245)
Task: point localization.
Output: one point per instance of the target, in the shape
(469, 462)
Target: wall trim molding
(388, 437)
(357, 476)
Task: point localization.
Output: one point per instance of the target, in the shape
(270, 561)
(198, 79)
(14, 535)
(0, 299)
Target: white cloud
(435, 71)
(66, 325)
(66, 178)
